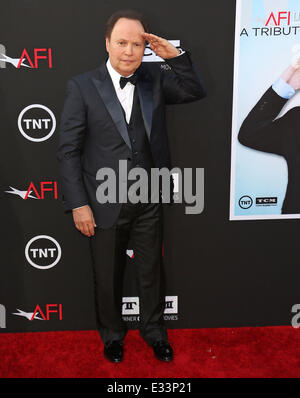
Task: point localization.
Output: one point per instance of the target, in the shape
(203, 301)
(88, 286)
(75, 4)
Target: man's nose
(129, 49)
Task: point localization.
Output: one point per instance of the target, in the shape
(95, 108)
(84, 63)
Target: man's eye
(121, 43)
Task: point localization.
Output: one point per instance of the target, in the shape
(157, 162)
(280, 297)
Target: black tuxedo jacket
(93, 131)
(281, 136)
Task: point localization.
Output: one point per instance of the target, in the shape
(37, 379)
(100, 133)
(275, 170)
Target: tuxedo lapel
(108, 94)
(144, 87)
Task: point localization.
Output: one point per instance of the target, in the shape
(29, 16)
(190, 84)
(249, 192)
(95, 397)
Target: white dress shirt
(124, 95)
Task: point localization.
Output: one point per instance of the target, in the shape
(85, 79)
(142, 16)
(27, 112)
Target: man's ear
(107, 44)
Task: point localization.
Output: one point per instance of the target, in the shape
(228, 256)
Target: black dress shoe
(163, 351)
(114, 351)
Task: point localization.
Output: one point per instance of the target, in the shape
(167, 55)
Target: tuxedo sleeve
(71, 140)
(181, 82)
(260, 131)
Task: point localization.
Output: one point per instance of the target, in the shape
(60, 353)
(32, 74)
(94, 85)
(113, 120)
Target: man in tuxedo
(262, 131)
(117, 112)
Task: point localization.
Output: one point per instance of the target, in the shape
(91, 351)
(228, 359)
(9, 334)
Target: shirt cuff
(283, 89)
(78, 207)
(181, 52)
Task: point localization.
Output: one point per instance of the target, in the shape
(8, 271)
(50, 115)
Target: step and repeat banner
(220, 270)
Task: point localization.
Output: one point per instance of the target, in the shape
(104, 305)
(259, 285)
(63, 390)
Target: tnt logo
(43, 252)
(245, 202)
(2, 316)
(36, 122)
(28, 61)
(171, 305)
(130, 306)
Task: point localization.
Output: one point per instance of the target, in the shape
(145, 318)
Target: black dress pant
(142, 224)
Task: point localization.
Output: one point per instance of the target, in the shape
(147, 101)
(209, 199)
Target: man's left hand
(161, 46)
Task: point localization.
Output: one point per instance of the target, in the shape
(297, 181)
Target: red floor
(270, 352)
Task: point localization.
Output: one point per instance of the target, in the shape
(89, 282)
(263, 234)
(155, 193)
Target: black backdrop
(238, 273)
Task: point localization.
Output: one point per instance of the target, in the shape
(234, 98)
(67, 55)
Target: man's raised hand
(161, 46)
(292, 76)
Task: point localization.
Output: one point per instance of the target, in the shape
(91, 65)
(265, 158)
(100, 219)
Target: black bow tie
(124, 80)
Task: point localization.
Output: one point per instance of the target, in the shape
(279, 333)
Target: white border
(234, 112)
(232, 217)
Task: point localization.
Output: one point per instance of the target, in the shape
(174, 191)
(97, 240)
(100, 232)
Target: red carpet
(269, 352)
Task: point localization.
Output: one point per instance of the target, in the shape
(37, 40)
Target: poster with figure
(265, 153)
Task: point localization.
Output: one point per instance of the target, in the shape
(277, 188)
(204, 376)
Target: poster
(265, 151)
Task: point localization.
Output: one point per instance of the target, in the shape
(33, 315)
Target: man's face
(126, 46)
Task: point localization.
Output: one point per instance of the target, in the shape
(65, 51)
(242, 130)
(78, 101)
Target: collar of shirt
(115, 76)
(125, 96)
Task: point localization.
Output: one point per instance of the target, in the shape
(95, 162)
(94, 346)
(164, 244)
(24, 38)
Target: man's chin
(130, 69)
(128, 72)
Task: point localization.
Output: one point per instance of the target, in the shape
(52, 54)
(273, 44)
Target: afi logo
(38, 190)
(46, 315)
(281, 16)
(27, 59)
(44, 187)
